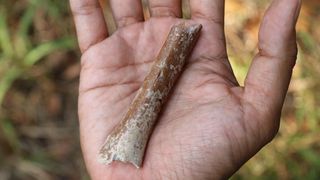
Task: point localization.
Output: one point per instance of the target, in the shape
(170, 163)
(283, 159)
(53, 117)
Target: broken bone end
(108, 160)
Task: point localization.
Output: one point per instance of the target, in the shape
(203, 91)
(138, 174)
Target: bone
(128, 140)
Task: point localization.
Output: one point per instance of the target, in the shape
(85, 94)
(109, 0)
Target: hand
(210, 126)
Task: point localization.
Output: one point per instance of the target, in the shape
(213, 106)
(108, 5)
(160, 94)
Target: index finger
(89, 21)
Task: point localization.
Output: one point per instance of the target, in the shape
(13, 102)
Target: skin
(210, 125)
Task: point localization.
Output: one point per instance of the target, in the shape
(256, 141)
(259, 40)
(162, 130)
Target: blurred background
(39, 73)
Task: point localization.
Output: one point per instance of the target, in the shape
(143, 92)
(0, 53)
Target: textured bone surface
(128, 140)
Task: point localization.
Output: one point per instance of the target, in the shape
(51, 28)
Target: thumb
(269, 75)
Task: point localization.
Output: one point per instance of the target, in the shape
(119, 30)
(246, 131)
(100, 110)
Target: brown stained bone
(127, 142)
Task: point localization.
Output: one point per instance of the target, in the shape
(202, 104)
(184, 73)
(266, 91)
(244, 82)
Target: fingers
(126, 12)
(212, 10)
(89, 21)
(269, 76)
(165, 8)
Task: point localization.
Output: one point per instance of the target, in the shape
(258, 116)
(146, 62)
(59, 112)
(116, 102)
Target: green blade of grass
(22, 39)
(7, 80)
(5, 41)
(10, 134)
(47, 48)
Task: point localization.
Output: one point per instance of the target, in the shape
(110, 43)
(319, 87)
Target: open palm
(210, 126)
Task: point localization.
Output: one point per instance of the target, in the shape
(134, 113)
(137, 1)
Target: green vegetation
(19, 53)
(31, 33)
(39, 67)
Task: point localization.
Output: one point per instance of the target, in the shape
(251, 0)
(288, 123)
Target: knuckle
(85, 7)
(201, 15)
(163, 11)
(127, 20)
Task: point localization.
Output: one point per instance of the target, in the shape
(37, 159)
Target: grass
(39, 70)
(31, 32)
(18, 52)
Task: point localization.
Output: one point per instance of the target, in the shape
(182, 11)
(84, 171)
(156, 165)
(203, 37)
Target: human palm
(210, 125)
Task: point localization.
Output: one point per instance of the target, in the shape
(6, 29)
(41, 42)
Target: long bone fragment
(128, 140)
